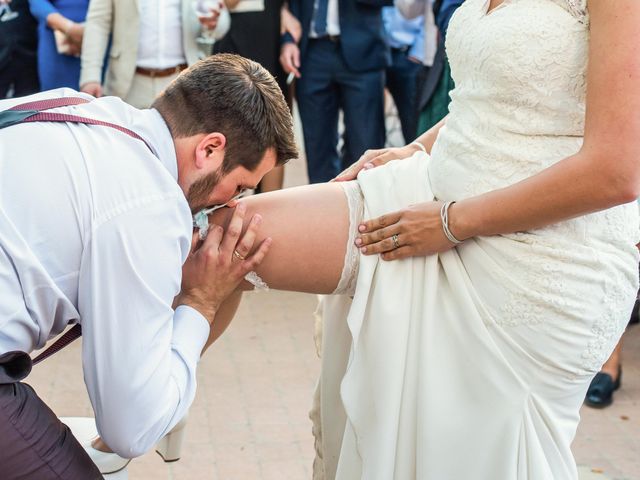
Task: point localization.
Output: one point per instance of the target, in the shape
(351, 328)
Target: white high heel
(170, 446)
(84, 429)
(107, 462)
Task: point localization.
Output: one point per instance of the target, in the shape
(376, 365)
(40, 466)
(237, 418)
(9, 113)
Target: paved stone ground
(249, 420)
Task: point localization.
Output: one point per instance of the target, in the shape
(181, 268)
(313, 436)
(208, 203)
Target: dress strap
(577, 8)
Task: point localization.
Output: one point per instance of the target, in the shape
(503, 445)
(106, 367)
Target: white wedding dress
(473, 364)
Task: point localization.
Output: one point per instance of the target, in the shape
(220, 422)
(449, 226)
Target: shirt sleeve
(41, 9)
(412, 8)
(417, 49)
(139, 355)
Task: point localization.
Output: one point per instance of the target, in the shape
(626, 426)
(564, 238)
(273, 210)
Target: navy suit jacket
(362, 39)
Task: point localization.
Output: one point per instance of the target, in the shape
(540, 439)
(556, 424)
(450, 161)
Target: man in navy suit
(340, 65)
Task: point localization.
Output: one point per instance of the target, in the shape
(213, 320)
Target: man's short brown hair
(234, 96)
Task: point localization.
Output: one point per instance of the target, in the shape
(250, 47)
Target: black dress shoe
(600, 392)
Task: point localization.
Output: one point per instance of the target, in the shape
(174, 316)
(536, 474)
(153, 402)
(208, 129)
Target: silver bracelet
(444, 216)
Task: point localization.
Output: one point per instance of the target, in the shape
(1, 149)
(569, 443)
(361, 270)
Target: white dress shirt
(160, 40)
(333, 20)
(94, 228)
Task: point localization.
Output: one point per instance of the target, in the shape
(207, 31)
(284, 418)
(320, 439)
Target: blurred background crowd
(362, 73)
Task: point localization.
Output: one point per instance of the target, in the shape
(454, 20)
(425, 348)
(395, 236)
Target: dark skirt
(256, 35)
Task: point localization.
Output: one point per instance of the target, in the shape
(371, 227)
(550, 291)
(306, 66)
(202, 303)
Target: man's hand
(92, 88)
(290, 58)
(211, 22)
(215, 269)
(74, 33)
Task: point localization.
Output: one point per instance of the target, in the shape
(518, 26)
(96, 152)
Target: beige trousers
(145, 89)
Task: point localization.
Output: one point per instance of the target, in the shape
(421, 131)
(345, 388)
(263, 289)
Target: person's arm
(41, 9)
(139, 355)
(289, 51)
(416, 52)
(94, 48)
(412, 8)
(289, 24)
(603, 174)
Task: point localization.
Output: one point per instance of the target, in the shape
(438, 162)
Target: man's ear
(210, 151)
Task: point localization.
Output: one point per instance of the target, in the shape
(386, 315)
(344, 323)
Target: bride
(465, 334)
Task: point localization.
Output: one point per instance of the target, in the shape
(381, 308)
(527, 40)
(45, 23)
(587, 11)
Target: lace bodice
(519, 101)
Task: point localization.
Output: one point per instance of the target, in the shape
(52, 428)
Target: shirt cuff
(190, 333)
(286, 38)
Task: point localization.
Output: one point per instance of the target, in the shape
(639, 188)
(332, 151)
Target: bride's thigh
(310, 229)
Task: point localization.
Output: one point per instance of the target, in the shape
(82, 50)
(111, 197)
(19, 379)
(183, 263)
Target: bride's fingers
(376, 236)
(371, 154)
(369, 159)
(386, 245)
(380, 222)
(245, 244)
(347, 174)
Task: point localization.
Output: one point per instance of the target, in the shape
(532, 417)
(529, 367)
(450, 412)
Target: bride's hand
(375, 158)
(418, 229)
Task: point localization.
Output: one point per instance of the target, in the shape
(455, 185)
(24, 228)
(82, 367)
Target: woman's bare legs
(223, 318)
(310, 229)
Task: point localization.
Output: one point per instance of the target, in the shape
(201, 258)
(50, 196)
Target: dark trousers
(21, 72)
(326, 86)
(34, 444)
(402, 80)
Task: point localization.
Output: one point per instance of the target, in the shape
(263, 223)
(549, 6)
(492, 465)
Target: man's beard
(201, 190)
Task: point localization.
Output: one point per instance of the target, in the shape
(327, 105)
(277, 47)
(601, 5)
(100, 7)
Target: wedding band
(395, 241)
(237, 255)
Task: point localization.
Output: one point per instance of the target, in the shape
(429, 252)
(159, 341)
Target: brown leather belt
(161, 72)
(331, 38)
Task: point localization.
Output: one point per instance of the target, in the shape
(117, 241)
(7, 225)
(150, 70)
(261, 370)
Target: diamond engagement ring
(395, 241)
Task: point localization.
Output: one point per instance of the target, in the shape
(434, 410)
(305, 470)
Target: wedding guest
(152, 41)
(18, 44)
(60, 33)
(406, 39)
(98, 231)
(339, 63)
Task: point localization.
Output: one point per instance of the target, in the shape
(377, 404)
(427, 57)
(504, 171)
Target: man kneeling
(96, 203)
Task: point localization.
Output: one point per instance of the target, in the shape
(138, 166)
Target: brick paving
(249, 420)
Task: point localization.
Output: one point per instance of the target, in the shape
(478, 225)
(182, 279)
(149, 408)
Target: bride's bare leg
(310, 229)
